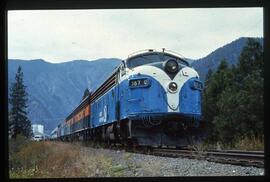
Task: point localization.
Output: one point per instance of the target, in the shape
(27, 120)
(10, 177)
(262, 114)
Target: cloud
(63, 35)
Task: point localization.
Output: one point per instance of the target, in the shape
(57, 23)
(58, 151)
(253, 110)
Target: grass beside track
(244, 143)
(50, 159)
(46, 159)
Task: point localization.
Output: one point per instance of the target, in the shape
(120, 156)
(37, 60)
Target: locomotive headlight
(172, 87)
(171, 66)
(142, 82)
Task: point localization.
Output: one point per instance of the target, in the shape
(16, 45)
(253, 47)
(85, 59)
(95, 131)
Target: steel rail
(244, 158)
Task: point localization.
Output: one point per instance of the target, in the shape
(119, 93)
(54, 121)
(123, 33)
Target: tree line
(19, 123)
(233, 97)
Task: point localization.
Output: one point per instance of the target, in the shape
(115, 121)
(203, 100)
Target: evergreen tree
(251, 58)
(217, 82)
(18, 120)
(86, 93)
(205, 96)
(208, 77)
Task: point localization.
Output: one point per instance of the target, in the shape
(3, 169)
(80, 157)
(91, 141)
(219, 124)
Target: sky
(64, 35)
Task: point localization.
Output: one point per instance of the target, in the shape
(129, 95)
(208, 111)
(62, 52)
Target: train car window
(123, 70)
(152, 58)
(167, 56)
(143, 59)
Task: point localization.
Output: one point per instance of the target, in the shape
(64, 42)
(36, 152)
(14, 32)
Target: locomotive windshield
(152, 58)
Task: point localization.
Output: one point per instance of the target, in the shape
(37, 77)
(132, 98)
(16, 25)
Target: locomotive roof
(151, 51)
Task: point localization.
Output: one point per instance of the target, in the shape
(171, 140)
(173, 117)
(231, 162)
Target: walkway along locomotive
(151, 99)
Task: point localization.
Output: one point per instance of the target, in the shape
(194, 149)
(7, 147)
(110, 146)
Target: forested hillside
(233, 103)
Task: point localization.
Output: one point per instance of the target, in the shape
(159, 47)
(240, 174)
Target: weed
(127, 155)
(248, 143)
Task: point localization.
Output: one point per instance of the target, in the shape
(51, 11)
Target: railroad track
(244, 158)
(237, 157)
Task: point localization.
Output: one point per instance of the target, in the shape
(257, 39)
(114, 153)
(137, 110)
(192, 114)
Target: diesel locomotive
(153, 98)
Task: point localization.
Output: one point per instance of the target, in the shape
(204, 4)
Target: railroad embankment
(48, 159)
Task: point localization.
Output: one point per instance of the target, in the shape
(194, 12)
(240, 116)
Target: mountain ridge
(230, 52)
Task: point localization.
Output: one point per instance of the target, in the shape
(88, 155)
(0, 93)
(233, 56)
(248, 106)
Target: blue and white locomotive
(152, 99)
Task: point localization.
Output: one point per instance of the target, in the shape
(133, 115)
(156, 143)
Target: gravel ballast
(141, 165)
